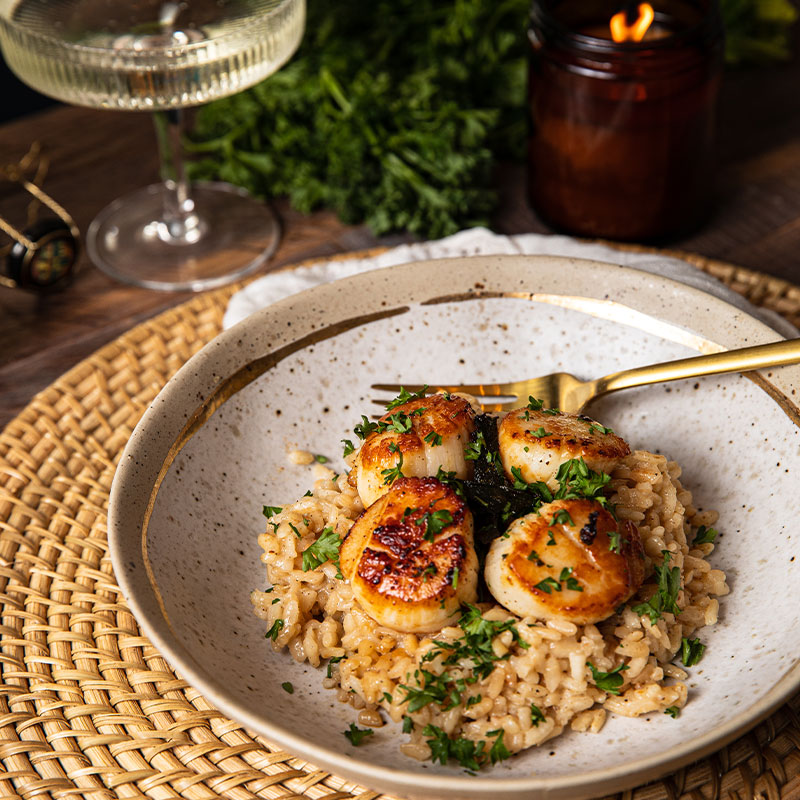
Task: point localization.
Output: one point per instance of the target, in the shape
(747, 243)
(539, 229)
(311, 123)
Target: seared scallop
(571, 560)
(410, 556)
(415, 439)
(536, 442)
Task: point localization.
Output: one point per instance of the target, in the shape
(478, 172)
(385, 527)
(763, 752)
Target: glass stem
(179, 223)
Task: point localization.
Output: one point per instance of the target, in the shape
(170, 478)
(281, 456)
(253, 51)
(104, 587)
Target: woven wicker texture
(89, 708)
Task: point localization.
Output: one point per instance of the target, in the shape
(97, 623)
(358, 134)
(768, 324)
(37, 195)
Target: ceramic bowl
(212, 449)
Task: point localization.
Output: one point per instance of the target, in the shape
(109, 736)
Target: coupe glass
(161, 57)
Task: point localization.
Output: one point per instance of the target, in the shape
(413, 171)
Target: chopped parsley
(666, 596)
(540, 433)
(320, 459)
(433, 439)
(547, 585)
(434, 523)
(572, 582)
(455, 577)
(270, 511)
(534, 556)
(287, 687)
(607, 681)
(405, 396)
(399, 423)
(365, 428)
(596, 426)
(673, 711)
(357, 735)
(614, 543)
(691, 651)
(348, 448)
(331, 661)
(391, 474)
(296, 532)
(537, 715)
(561, 517)
(326, 548)
(275, 630)
(469, 754)
(408, 724)
(534, 403)
(705, 535)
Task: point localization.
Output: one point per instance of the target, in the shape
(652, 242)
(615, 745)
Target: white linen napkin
(480, 241)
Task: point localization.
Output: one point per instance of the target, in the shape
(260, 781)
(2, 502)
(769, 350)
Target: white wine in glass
(161, 57)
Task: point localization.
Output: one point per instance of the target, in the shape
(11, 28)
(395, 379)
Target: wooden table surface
(98, 155)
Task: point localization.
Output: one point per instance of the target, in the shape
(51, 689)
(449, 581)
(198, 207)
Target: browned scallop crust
(376, 452)
(441, 413)
(398, 568)
(565, 432)
(608, 578)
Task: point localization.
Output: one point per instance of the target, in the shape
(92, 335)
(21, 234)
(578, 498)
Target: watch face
(52, 261)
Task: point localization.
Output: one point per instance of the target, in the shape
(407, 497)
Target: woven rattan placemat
(88, 707)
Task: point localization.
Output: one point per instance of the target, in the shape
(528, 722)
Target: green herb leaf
(270, 511)
(666, 596)
(275, 629)
(704, 535)
(325, 548)
(537, 715)
(673, 711)
(331, 661)
(405, 396)
(287, 687)
(391, 474)
(357, 735)
(608, 681)
(692, 651)
(348, 448)
(433, 439)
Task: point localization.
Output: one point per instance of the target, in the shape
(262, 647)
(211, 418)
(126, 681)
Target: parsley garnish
(561, 517)
(547, 585)
(331, 661)
(391, 474)
(537, 715)
(326, 548)
(455, 577)
(320, 459)
(275, 630)
(534, 403)
(434, 523)
(365, 428)
(666, 596)
(405, 396)
(287, 687)
(270, 511)
(614, 543)
(607, 681)
(673, 711)
(433, 439)
(468, 753)
(357, 735)
(348, 447)
(596, 426)
(399, 423)
(540, 433)
(705, 535)
(408, 724)
(691, 651)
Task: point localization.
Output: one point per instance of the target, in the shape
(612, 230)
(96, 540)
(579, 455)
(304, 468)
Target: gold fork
(567, 393)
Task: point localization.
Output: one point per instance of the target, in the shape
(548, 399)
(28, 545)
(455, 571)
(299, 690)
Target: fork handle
(775, 354)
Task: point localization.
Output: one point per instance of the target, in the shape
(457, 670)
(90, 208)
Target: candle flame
(624, 31)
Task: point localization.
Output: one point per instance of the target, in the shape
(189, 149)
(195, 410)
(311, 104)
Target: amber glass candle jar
(621, 142)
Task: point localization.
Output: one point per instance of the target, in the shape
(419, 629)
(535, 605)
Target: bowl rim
(121, 522)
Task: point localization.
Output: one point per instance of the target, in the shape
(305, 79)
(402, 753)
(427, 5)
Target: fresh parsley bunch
(393, 112)
(390, 114)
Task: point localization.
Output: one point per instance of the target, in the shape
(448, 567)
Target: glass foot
(227, 235)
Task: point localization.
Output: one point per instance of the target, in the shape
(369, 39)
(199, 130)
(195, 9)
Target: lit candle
(622, 132)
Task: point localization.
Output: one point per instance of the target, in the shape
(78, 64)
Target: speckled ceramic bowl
(212, 450)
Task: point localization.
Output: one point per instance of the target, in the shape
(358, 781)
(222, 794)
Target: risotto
(491, 683)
